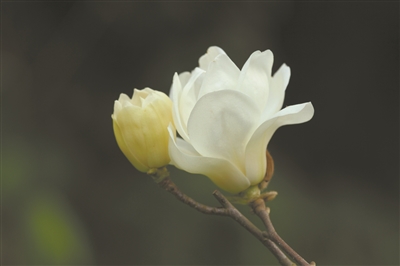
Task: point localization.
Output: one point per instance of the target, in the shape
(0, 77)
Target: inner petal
(255, 77)
(208, 57)
(188, 97)
(277, 88)
(221, 124)
(222, 74)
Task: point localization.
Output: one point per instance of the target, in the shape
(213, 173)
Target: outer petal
(130, 120)
(117, 108)
(207, 58)
(188, 97)
(147, 138)
(221, 124)
(277, 88)
(222, 74)
(175, 94)
(184, 78)
(223, 173)
(197, 85)
(125, 149)
(255, 77)
(255, 150)
(124, 100)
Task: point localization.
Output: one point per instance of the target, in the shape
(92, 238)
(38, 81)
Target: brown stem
(263, 212)
(227, 210)
(170, 186)
(243, 221)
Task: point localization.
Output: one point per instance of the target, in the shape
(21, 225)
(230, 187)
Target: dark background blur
(70, 197)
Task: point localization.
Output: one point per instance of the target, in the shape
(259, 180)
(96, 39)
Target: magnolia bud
(140, 128)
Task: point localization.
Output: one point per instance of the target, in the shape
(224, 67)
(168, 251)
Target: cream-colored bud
(140, 128)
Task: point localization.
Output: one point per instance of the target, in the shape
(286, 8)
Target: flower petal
(188, 97)
(130, 120)
(126, 150)
(221, 124)
(255, 150)
(223, 173)
(222, 74)
(124, 100)
(277, 88)
(207, 58)
(175, 95)
(146, 135)
(117, 108)
(184, 78)
(255, 77)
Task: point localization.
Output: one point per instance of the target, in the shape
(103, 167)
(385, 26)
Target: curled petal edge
(255, 150)
(276, 96)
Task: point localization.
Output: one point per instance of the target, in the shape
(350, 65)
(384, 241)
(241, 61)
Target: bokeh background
(70, 197)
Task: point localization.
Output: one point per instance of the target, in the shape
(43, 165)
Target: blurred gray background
(70, 197)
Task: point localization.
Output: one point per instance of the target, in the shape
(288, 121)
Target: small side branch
(263, 212)
(268, 238)
(227, 209)
(170, 186)
(243, 221)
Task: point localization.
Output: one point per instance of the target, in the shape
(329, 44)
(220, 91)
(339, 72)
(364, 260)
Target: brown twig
(243, 221)
(263, 212)
(227, 210)
(170, 186)
(269, 238)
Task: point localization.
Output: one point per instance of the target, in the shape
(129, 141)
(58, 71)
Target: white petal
(256, 148)
(184, 78)
(222, 74)
(221, 124)
(255, 77)
(175, 94)
(197, 85)
(277, 88)
(207, 58)
(188, 97)
(224, 174)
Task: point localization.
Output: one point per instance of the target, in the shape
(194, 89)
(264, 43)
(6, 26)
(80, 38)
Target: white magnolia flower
(227, 116)
(140, 127)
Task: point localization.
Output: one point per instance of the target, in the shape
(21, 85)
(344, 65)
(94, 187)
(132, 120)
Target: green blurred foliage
(54, 235)
(41, 227)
